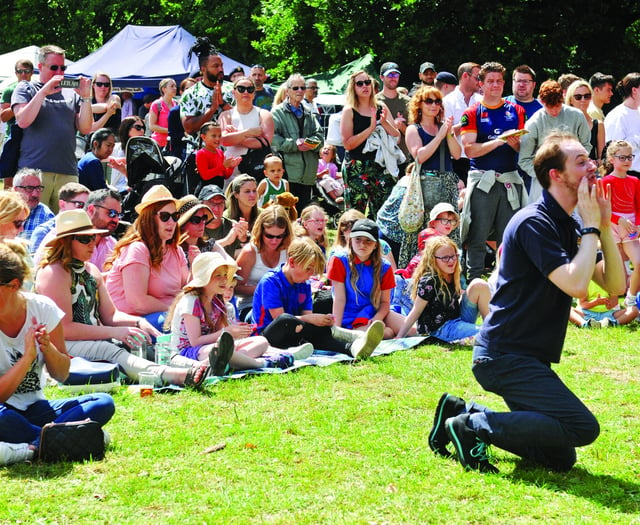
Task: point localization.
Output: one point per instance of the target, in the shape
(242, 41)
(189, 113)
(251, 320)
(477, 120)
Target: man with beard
(203, 101)
(523, 83)
(264, 94)
(397, 103)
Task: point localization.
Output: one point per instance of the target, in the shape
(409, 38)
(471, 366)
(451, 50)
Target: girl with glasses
(441, 308)
(366, 183)
(579, 95)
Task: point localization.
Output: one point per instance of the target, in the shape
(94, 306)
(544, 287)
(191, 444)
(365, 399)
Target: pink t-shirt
(333, 169)
(164, 283)
(160, 108)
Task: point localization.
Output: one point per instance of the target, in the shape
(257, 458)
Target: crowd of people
(241, 273)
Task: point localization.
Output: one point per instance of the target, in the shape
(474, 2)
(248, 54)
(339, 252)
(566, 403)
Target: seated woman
(267, 250)
(148, 268)
(91, 320)
(282, 308)
(90, 169)
(242, 201)
(130, 127)
(194, 216)
(13, 212)
(30, 338)
(105, 106)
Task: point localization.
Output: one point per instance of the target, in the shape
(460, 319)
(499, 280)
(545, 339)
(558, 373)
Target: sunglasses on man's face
(111, 212)
(102, 84)
(55, 67)
(78, 204)
(24, 71)
(165, 216)
(248, 89)
(84, 239)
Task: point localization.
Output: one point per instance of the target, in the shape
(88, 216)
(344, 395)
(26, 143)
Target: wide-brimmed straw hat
(188, 206)
(205, 264)
(74, 222)
(157, 193)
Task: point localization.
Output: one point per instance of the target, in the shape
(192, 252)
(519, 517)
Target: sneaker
(366, 343)
(604, 323)
(471, 451)
(219, 357)
(11, 453)
(630, 301)
(107, 438)
(301, 352)
(592, 323)
(448, 406)
(282, 361)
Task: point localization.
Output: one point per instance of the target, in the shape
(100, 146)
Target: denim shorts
(462, 327)
(598, 316)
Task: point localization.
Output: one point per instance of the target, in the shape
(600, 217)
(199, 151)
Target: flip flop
(220, 355)
(191, 381)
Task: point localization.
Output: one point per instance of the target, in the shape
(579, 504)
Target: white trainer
(301, 352)
(11, 453)
(364, 346)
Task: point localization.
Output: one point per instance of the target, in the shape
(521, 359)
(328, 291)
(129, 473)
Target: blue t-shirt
(529, 107)
(275, 291)
(91, 172)
(488, 123)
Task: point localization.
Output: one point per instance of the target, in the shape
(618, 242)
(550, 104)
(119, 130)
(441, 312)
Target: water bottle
(163, 349)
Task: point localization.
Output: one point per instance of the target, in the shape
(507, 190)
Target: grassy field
(343, 444)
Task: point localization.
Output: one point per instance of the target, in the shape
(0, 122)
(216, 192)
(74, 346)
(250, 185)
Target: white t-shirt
(623, 123)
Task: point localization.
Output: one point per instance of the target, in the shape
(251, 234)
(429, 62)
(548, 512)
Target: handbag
(411, 211)
(11, 153)
(253, 160)
(72, 441)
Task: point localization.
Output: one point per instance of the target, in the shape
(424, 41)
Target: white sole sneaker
(301, 352)
(364, 346)
(11, 453)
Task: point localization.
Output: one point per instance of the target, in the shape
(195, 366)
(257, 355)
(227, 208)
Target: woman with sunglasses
(579, 95)
(431, 142)
(270, 238)
(159, 111)
(105, 106)
(246, 126)
(91, 320)
(194, 216)
(130, 127)
(13, 213)
(366, 183)
(147, 268)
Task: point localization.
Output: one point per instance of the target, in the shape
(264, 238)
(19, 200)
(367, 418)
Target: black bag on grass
(73, 441)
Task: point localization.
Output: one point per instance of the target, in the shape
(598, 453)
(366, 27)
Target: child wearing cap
(362, 282)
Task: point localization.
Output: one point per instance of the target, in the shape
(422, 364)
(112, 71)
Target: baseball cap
(439, 208)
(389, 67)
(210, 191)
(365, 228)
(427, 65)
(447, 78)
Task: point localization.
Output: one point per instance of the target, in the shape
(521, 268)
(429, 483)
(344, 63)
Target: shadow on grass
(606, 490)
(38, 470)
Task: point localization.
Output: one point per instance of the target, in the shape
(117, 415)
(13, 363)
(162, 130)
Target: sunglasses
(361, 83)
(77, 204)
(111, 212)
(392, 75)
(139, 127)
(18, 224)
(314, 88)
(271, 236)
(197, 219)
(24, 71)
(31, 189)
(243, 89)
(165, 216)
(431, 101)
(447, 258)
(297, 88)
(84, 239)
(102, 84)
(586, 96)
(55, 67)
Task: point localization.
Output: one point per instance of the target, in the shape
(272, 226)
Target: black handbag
(253, 160)
(72, 441)
(11, 153)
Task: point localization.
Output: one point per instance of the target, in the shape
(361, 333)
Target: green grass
(343, 444)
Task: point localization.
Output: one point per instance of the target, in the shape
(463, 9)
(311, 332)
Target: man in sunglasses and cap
(50, 117)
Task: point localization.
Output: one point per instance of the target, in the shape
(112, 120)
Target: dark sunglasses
(55, 67)
(361, 83)
(18, 224)
(271, 236)
(139, 127)
(24, 71)
(297, 88)
(165, 216)
(84, 239)
(431, 101)
(197, 219)
(102, 84)
(111, 212)
(77, 204)
(586, 96)
(248, 89)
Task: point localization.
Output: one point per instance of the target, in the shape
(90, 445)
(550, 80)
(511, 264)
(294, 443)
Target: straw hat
(205, 264)
(157, 193)
(74, 222)
(188, 205)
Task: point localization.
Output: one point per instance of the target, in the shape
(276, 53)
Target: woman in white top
(623, 121)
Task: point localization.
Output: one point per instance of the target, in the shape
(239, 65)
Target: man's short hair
(48, 50)
(491, 67)
(101, 195)
(551, 93)
(598, 80)
(24, 62)
(23, 173)
(567, 79)
(550, 155)
(70, 190)
(524, 70)
(466, 67)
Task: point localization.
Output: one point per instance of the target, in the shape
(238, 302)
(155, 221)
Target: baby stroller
(332, 208)
(147, 167)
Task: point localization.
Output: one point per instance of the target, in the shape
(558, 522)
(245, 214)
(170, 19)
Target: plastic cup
(146, 380)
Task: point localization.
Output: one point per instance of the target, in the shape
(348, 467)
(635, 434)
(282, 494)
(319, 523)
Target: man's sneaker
(366, 343)
(283, 361)
(301, 352)
(630, 301)
(448, 406)
(471, 451)
(11, 453)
